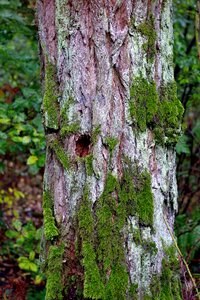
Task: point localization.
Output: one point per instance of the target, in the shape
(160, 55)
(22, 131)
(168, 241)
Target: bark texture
(112, 118)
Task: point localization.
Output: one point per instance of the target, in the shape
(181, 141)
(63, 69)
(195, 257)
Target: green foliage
(24, 242)
(188, 231)
(188, 159)
(20, 99)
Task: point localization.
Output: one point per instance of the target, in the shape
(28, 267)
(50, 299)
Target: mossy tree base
(111, 118)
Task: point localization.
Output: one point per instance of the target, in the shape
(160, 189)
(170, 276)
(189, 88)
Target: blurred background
(22, 147)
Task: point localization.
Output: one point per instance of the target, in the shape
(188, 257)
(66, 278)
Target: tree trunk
(111, 118)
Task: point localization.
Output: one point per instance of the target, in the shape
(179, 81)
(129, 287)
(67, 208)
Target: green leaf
(11, 234)
(33, 267)
(26, 139)
(17, 224)
(32, 255)
(182, 146)
(32, 160)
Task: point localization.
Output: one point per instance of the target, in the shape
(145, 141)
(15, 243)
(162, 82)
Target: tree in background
(112, 118)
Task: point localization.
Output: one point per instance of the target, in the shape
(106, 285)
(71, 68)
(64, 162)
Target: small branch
(183, 259)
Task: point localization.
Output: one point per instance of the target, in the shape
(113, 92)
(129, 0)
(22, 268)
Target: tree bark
(111, 118)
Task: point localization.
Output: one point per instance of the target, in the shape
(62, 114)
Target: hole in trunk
(83, 145)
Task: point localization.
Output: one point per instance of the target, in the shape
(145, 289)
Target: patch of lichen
(57, 147)
(54, 286)
(50, 229)
(143, 102)
(50, 99)
(147, 29)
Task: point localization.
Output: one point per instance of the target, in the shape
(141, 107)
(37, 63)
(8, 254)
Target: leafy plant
(20, 97)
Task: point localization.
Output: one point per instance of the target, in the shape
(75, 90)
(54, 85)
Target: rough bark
(112, 118)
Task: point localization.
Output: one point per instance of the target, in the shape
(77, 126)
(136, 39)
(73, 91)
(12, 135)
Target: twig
(183, 259)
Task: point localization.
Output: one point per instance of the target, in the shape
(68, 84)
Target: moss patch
(96, 131)
(50, 229)
(147, 29)
(143, 102)
(170, 112)
(166, 286)
(145, 206)
(57, 147)
(170, 278)
(93, 286)
(54, 285)
(50, 100)
(68, 127)
(101, 229)
(163, 117)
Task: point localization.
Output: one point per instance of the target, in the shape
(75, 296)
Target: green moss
(70, 129)
(162, 117)
(170, 112)
(60, 153)
(65, 110)
(133, 291)
(50, 100)
(93, 286)
(111, 142)
(137, 236)
(88, 161)
(167, 285)
(54, 285)
(50, 229)
(102, 232)
(145, 207)
(143, 102)
(150, 246)
(147, 29)
(88, 164)
(95, 133)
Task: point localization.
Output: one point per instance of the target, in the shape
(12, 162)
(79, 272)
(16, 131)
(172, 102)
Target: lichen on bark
(50, 99)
